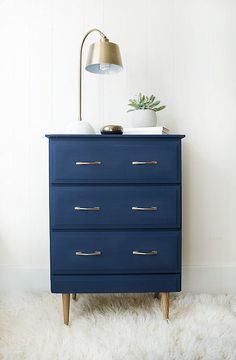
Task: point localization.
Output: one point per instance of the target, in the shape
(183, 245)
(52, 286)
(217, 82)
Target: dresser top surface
(79, 136)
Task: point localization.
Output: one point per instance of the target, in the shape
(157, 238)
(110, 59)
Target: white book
(152, 130)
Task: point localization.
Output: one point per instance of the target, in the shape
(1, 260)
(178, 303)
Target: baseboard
(35, 279)
(196, 279)
(209, 279)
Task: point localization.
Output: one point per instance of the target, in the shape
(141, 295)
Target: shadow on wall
(206, 205)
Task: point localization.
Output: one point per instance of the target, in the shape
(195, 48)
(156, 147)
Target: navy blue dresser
(115, 215)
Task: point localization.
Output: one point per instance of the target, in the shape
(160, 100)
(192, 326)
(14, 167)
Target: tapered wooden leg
(165, 304)
(74, 296)
(156, 296)
(66, 307)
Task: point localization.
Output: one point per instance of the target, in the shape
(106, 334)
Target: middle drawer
(93, 206)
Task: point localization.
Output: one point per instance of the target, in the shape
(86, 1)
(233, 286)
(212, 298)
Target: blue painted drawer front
(116, 249)
(115, 283)
(115, 203)
(116, 159)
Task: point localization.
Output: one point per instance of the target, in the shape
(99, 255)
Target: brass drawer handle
(153, 252)
(79, 208)
(137, 208)
(88, 163)
(152, 162)
(95, 253)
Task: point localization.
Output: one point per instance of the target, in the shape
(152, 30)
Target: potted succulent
(143, 110)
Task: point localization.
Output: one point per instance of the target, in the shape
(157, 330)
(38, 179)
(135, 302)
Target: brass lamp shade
(104, 58)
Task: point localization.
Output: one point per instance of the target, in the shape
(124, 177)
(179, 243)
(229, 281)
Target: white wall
(182, 50)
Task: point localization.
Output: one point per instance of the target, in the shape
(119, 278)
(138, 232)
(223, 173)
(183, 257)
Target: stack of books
(152, 130)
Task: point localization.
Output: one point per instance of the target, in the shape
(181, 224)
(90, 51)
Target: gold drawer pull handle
(152, 162)
(88, 163)
(152, 208)
(95, 253)
(153, 252)
(79, 208)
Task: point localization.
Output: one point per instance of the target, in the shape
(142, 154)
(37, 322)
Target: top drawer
(119, 159)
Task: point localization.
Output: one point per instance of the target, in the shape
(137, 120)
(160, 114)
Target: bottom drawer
(115, 252)
(115, 283)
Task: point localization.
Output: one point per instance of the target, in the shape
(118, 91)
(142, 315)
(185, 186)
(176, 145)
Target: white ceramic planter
(142, 118)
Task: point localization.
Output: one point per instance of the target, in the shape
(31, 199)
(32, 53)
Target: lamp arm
(80, 66)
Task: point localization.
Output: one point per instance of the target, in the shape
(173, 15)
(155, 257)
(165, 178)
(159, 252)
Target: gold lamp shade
(104, 58)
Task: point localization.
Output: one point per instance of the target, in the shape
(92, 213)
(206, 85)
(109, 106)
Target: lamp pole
(103, 36)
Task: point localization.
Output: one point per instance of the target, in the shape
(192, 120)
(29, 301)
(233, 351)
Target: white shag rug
(115, 327)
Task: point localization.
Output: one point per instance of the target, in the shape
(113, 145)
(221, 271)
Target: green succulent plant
(145, 102)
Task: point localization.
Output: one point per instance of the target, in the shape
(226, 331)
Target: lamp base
(79, 127)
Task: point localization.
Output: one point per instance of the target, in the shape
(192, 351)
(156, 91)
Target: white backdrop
(182, 50)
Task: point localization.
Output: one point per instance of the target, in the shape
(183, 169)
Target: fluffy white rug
(107, 327)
